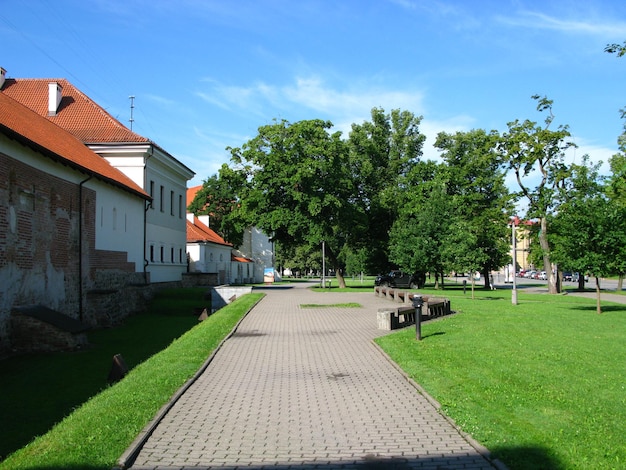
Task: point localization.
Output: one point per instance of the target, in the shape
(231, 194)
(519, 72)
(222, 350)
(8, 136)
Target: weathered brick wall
(38, 240)
(30, 335)
(39, 249)
(199, 279)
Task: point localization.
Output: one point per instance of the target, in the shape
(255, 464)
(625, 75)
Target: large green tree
(297, 186)
(590, 229)
(536, 155)
(424, 223)
(382, 152)
(475, 182)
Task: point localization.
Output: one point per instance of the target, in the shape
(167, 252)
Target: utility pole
(132, 107)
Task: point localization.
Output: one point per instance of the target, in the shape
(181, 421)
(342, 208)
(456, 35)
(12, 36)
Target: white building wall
(242, 273)
(210, 258)
(257, 247)
(119, 222)
(165, 179)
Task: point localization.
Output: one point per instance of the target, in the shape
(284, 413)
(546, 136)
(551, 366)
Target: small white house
(207, 252)
(250, 260)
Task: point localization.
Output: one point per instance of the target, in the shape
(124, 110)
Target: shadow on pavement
(279, 287)
(520, 458)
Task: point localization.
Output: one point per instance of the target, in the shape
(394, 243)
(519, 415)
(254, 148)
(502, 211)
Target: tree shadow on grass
(592, 308)
(527, 458)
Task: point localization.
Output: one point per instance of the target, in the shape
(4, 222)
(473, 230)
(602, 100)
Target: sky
(206, 74)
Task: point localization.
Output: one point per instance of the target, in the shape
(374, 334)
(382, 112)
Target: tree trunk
(620, 283)
(598, 308)
(340, 279)
(335, 264)
(545, 249)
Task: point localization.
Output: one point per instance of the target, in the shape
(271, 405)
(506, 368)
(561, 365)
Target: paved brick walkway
(306, 388)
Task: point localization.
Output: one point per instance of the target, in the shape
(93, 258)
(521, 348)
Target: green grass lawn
(541, 384)
(96, 422)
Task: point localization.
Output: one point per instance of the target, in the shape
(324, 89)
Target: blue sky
(207, 73)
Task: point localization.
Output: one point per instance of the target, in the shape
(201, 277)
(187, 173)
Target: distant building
(248, 262)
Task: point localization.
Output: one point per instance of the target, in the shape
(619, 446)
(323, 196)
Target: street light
(514, 259)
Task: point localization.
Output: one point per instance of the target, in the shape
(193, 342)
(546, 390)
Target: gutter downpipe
(80, 247)
(145, 217)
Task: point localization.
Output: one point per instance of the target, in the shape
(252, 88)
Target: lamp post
(323, 264)
(514, 258)
(418, 301)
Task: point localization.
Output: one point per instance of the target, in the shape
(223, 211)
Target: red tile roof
(198, 232)
(77, 113)
(240, 259)
(22, 124)
(191, 193)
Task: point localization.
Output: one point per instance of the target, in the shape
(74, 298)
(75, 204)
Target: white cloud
(311, 95)
(537, 20)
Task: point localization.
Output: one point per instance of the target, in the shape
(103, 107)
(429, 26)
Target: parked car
(401, 279)
(543, 276)
(567, 276)
(576, 276)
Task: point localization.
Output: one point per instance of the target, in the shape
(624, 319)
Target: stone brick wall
(40, 233)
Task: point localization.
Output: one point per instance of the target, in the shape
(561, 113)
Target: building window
(114, 218)
(152, 253)
(161, 196)
(180, 255)
(171, 202)
(152, 194)
(180, 206)
(172, 254)
(162, 252)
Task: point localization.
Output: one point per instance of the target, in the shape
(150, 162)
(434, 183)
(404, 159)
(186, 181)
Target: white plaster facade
(257, 247)
(207, 251)
(165, 179)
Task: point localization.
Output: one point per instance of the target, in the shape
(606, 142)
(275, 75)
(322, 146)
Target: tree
(536, 156)
(616, 191)
(476, 184)
(218, 198)
(619, 49)
(297, 186)
(382, 152)
(424, 223)
(590, 229)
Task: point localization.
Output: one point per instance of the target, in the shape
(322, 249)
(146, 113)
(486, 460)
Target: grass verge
(541, 384)
(98, 432)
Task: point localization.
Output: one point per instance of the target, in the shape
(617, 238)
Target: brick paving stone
(306, 388)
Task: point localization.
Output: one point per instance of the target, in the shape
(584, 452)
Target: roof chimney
(54, 98)
(3, 74)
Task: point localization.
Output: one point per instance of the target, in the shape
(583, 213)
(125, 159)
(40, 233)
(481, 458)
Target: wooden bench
(391, 318)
